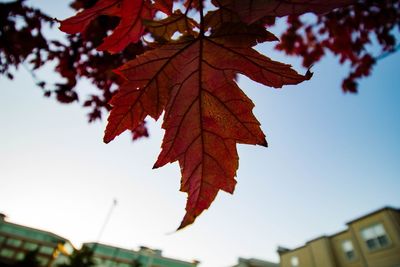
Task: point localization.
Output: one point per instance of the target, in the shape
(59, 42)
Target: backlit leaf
(206, 113)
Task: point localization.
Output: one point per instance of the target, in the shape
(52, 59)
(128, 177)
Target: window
(46, 250)
(294, 261)
(30, 246)
(20, 256)
(375, 237)
(42, 260)
(348, 249)
(97, 260)
(60, 260)
(7, 253)
(110, 263)
(13, 242)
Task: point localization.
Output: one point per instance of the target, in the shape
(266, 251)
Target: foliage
(348, 33)
(75, 58)
(186, 66)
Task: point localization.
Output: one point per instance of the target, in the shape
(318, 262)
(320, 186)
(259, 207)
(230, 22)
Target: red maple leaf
(206, 113)
(129, 30)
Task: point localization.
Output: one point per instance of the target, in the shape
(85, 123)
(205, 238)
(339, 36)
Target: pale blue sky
(332, 158)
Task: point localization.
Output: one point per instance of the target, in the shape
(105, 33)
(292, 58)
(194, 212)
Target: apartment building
(17, 240)
(372, 240)
(110, 256)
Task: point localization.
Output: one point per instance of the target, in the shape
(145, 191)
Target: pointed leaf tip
(187, 221)
(308, 74)
(265, 144)
(106, 140)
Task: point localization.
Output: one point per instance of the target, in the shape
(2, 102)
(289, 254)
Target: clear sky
(332, 158)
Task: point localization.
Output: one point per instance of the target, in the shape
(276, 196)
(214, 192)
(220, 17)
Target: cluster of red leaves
(189, 70)
(22, 40)
(348, 33)
(21, 37)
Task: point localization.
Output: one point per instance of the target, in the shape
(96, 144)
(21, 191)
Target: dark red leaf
(79, 22)
(130, 29)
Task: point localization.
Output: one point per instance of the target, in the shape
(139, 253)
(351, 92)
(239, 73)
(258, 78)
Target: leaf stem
(201, 19)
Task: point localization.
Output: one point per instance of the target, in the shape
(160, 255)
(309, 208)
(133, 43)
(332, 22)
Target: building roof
(388, 208)
(30, 233)
(252, 262)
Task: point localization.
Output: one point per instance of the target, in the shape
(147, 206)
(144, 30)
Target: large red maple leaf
(193, 79)
(206, 113)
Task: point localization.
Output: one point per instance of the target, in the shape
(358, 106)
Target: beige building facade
(372, 240)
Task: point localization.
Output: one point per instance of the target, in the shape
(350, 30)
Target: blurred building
(372, 240)
(17, 240)
(254, 263)
(110, 256)
(50, 250)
